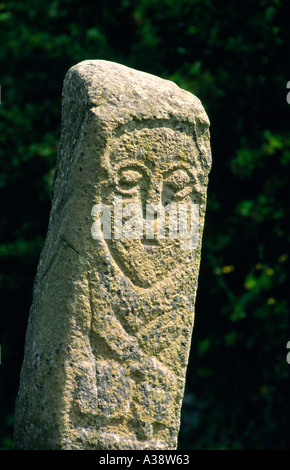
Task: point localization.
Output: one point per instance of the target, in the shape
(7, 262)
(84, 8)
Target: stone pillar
(110, 326)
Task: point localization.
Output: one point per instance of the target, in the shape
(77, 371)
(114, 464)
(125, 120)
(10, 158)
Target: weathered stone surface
(110, 326)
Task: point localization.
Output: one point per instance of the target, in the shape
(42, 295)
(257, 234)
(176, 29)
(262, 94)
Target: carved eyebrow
(133, 166)
(167, 173)
(176, 164)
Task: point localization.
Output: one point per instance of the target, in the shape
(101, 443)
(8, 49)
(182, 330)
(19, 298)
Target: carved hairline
(197, 129)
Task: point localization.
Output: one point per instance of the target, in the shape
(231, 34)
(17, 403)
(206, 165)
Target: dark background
(235, 57)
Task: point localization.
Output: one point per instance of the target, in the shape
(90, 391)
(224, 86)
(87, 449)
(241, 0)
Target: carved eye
(129, 178)
(177, 185)
(178, 179)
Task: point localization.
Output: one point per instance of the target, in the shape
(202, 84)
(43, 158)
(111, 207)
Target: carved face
(153, 194)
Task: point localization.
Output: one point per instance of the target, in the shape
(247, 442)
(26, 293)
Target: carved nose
(153, 195)
(152, 212)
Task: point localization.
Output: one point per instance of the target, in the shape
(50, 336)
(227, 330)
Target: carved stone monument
(110, 326)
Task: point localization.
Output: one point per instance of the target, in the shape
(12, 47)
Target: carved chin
(146, 262)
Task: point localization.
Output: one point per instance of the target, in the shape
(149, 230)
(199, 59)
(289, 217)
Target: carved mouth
(150, 243)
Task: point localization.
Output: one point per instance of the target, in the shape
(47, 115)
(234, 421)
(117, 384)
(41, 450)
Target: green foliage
(235, 58)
